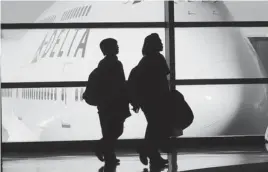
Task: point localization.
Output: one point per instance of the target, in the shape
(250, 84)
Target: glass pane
(28, 119)
(82, 11)
(222, 110)
(23, 11)
(105, 11)
(67, 54)
(210, 53)
(219, 111)
(220, 11)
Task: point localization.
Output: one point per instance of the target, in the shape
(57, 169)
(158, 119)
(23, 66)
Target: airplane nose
(214, 53)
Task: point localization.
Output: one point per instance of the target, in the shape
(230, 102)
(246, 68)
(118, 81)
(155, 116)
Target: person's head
(152, 44)
(109, 46)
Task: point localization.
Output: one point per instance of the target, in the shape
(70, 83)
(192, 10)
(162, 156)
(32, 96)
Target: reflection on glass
(220, 11)
(218, 110)
(209, 53)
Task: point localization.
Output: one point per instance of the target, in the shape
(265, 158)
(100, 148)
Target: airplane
(60, 114)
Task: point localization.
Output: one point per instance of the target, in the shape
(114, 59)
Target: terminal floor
(201, 160)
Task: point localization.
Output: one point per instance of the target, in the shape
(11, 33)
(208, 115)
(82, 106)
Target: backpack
(182, 114)
(91, 93)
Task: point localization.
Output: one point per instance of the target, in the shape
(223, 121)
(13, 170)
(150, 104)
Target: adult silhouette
(152, 92)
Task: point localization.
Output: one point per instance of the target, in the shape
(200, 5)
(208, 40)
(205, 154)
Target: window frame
(169, 26)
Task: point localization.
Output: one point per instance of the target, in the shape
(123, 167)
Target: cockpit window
(81, 11)
(68, 15)
(72, 13)
(76, 12)
(48, 94)
(89, 7)
(85, 10)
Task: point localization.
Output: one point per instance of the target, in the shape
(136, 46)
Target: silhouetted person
(113, 106)
(153, 89)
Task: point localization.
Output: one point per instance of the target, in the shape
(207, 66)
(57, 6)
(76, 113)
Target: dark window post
(170, 57)
(170, 41)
